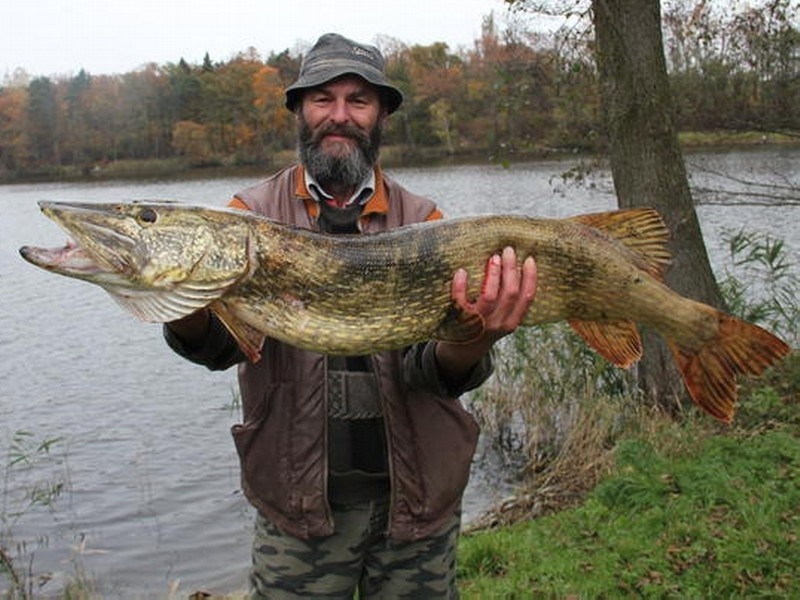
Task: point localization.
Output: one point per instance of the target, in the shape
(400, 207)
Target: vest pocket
(244, 431)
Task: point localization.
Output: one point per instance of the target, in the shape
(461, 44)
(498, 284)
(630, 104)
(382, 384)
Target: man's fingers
(492, 279)
(517, 288)
(458, 289)
(527, 290)
(506, 294)
(530, 278)
(510, 275)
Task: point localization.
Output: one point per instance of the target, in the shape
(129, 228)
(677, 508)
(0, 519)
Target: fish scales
(350, 295)
(603, 273)
(369, 293)
(365, 294)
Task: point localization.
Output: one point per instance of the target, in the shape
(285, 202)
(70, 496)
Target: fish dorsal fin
(460, 326)
(249, 338)
(642, 230)
(618, 341)
(164, 305)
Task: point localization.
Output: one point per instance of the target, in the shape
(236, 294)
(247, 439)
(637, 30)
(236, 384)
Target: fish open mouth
(69, 259)
(75, 259)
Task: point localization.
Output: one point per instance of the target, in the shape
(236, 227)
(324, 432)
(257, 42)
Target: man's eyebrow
(361, 91)
(320, 89)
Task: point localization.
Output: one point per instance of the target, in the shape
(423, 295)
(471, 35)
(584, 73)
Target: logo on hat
(361, 51)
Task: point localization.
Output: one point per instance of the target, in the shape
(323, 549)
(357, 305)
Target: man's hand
(506, 294)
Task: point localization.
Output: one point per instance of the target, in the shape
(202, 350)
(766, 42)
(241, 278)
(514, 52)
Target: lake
(150, 498)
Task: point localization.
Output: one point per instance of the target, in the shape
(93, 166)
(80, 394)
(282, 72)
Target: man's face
(340, 125)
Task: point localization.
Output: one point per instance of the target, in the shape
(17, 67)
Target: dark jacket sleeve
(217, 352)
(421, 372)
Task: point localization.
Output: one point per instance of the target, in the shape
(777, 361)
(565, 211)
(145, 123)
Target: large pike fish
(366, 293)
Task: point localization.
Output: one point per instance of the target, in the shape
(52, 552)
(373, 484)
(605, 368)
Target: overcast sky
(59, 37)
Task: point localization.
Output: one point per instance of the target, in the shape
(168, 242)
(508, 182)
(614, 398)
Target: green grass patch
(719, 520)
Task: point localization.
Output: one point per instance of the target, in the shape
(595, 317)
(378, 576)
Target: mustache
(342, 129)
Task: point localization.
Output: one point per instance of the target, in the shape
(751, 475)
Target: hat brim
(322, 74)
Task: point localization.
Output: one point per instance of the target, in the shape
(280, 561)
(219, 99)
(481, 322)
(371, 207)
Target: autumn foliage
(513, 92)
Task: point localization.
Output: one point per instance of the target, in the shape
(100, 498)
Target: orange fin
(641, 230)
(710, 372)
(249, 338)
(460, 326)
(617, 342)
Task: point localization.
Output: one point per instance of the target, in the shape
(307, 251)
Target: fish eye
(148, 215)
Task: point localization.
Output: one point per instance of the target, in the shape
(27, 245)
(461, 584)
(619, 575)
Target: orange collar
(378, 202)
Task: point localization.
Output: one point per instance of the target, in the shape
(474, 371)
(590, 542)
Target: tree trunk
(647, 164)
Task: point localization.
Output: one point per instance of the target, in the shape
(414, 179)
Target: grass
(688, 510)
(26, 458)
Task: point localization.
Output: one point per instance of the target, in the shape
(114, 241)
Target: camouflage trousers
(359, 556)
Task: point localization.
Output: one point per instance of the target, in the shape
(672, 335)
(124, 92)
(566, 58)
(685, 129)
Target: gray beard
(338, 172)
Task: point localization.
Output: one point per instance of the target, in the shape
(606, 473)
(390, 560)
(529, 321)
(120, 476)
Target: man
(356, 464)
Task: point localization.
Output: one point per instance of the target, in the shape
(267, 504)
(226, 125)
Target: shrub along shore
(391, 157)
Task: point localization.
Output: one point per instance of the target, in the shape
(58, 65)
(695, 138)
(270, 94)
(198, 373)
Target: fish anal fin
(641, 230)
(617, 341)
(460, 326)
(710, 372)
(249, 338)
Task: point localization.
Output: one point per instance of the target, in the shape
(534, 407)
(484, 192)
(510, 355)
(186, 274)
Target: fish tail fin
(710, 371)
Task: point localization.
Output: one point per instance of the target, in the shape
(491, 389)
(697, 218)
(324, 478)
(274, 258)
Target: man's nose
(340, 111)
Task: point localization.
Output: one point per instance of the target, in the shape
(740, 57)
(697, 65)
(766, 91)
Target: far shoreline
(393, 157)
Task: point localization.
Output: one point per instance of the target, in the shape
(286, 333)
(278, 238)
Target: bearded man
(356, 465)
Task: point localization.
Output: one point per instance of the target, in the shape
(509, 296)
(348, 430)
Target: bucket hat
(334, 55)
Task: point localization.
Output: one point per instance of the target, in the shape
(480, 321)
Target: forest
(515, 92)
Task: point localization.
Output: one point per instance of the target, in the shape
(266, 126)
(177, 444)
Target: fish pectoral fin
(460, 326)
(153, 306)
(249, 338)
(710, 372)
(162, 305)
(618, 341)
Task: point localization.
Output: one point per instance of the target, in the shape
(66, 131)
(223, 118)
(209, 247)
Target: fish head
(159, 260)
